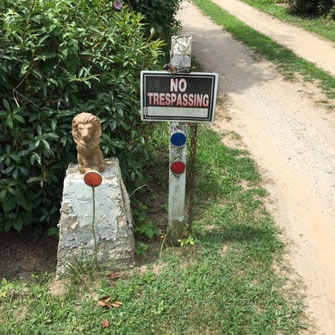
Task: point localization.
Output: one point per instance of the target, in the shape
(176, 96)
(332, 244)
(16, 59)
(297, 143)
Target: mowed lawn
(228, 278)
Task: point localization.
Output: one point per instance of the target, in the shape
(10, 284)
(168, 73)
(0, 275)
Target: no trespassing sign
(187, 97)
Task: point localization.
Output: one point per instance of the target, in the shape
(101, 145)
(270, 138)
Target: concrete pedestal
(113, 221)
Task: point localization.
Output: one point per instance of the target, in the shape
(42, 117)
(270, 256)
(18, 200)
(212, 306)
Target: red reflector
(177, 167)
(92, 178)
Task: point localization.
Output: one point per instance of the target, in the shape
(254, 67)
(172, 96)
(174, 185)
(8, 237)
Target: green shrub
(315, 7)
(159, 14)
(59, 58)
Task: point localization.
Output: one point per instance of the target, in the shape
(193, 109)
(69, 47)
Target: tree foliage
(159, 14)
(315, 7)
(57, 59)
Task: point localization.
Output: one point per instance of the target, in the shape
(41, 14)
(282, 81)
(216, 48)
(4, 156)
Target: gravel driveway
(292, 139)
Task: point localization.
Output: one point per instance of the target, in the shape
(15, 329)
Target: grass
(320, 25)
(287, 62)
(226, 283)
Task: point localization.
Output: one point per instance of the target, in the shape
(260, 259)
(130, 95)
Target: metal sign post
(178, 96)
(177, 182)
(181, 60)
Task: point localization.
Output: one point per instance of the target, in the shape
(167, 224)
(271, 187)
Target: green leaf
(9, 122)
(53, 231)
(12, 183)
(24, 68)
(34, 157)
(46, 145)
(9, 169)
(53, 125)
(8, 203)
(120, 111)
(42, 40)
(11, 191)
(16, 173)
(27, 217)
(51, 135)
(38, 158)
(23, 153)
(15, 158)
(3, 194)
(149, 233)
(18, 118)
(6, 104)
(33, 179)
(23, 170)
(17, 224)
(113, 125)
(20, 199)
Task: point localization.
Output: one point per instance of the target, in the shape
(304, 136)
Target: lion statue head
(86, 132)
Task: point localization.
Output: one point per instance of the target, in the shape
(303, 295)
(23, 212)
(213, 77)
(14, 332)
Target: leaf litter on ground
(109, 302)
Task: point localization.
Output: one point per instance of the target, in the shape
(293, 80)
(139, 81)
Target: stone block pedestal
(113, 221)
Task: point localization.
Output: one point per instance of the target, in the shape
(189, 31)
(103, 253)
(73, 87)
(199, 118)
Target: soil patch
(21, 256)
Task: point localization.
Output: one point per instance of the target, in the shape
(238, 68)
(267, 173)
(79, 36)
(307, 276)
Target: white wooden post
(181, 61)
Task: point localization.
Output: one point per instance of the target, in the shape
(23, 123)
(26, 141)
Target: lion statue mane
(86, 132)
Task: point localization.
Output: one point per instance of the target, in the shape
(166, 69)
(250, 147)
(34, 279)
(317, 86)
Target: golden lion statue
(86, 132)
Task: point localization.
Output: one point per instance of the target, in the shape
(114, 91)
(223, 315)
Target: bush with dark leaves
(57, 59)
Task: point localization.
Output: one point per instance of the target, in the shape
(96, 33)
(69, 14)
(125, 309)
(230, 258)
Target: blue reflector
(178, 139)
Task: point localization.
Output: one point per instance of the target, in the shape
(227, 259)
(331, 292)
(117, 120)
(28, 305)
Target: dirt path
(301, 42)
(292, 139)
